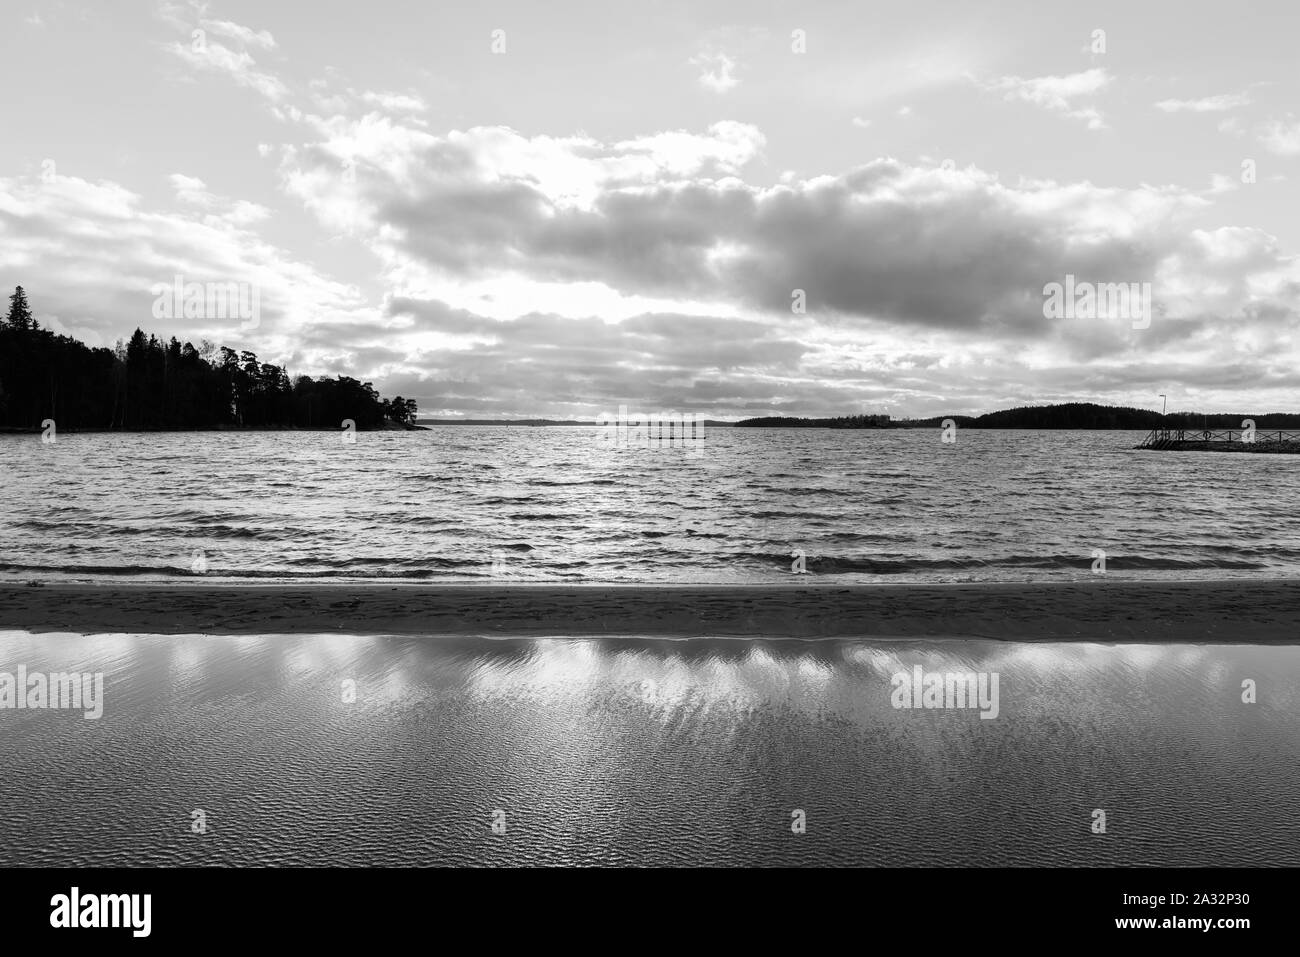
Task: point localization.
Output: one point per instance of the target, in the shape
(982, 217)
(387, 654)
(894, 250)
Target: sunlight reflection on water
(648, 751)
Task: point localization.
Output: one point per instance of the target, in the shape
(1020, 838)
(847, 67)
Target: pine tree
(20, 316)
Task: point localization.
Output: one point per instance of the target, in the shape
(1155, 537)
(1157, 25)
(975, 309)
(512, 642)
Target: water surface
(624, 751)
(558, 504)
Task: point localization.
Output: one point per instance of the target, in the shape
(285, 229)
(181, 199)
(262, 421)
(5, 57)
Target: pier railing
(1186, 438)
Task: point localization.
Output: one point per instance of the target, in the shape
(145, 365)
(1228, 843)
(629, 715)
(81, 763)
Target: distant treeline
(588, 423)
(842, 422)
(146, 383)
(1070, 415)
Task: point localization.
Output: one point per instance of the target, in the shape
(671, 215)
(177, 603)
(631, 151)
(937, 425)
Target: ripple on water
(620, 751)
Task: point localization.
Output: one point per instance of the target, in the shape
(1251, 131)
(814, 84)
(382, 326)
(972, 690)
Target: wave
(216, 573)
(835, 564)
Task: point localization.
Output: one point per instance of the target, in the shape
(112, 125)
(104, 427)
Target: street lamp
(1163, 404)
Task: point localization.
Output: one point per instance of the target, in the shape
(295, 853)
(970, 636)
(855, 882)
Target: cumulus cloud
(670, 216)
(505, 243)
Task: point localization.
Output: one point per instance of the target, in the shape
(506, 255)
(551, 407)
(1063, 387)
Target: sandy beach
(1235, 611)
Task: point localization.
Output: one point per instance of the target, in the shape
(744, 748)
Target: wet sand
(1231, 611)
(651, 752)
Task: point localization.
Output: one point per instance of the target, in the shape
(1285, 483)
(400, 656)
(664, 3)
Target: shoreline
(1228, 611)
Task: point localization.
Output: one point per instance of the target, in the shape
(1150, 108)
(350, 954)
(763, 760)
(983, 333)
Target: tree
(20, 316)
(149, 383)
(402, 411)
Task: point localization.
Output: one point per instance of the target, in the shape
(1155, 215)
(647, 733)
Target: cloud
(718, 72)
(509, 272)
(1223, 184)
(1281, 137)
(1208, 104)
(239, 66)
(346, 100)
(191, 190)
(91, 252)
(203, 52)
(1057, 93)
(395, 102)
(475, 170)
(1232, 126)
(898, 72)
(245, 35)
(521, 274)
(918, 257)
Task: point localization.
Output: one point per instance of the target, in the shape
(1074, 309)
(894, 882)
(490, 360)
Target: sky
(728, 209)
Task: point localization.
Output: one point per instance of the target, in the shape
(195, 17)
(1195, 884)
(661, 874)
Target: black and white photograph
(485, 446)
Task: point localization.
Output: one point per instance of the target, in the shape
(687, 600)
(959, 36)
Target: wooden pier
(1223, 440)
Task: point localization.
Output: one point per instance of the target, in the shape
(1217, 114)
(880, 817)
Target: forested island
(146, 384)
(1069, 415)
(842, 422)
(546, 423)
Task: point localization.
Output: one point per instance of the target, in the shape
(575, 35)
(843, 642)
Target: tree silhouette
(402, 411)
(20, 316)
(145, 383)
